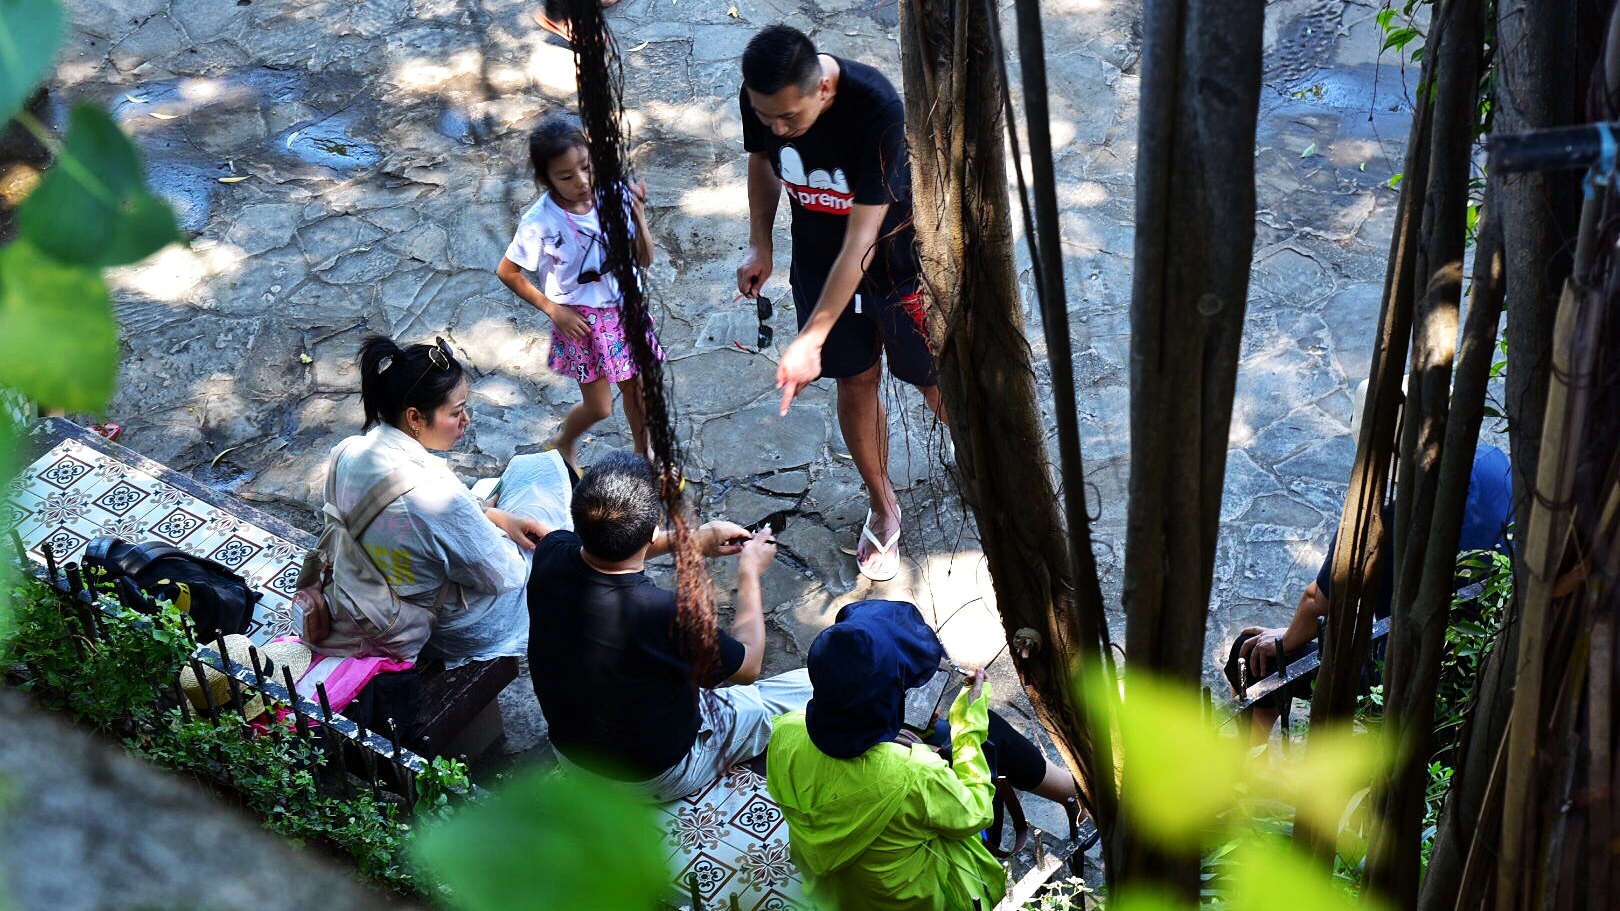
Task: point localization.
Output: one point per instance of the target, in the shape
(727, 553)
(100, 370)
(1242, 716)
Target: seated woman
(437, 544)
(875, 818)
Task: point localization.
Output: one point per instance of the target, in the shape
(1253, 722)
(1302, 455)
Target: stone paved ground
(347, 168)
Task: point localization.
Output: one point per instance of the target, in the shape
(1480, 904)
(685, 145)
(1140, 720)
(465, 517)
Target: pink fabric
(604, 353)
(344, 677)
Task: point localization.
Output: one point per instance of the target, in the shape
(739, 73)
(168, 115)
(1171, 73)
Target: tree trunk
(1536, 88)
(987, 379)
(1194, 243)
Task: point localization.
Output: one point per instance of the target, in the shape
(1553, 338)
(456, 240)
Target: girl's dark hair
(556, 134)
(780, 56)
(393, 379)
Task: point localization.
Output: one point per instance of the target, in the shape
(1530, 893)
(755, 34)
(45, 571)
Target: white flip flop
(887, 568)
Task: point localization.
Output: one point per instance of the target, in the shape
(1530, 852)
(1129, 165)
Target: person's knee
(597, 409)
(865, 383)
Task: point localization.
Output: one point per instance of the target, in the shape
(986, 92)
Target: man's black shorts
(873, 323)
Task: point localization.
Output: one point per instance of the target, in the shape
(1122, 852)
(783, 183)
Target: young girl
(560, 240)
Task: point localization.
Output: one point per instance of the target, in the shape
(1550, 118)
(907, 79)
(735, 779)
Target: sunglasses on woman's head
(439, 356)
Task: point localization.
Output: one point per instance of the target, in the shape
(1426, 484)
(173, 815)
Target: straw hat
(288, 653)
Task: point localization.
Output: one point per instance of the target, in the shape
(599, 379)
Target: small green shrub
(106, 680)
(109, 680)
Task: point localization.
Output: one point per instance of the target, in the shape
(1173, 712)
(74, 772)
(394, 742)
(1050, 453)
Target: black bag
(218, 600)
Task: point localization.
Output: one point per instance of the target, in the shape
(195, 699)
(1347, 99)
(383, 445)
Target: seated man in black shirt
(625, 688)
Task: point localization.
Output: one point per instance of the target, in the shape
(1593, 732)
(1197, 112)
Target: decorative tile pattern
(65, 543)
(13, 514)
(767, 864)
(130, 528)
(65, 472)
(65, 507)
(284, 581)
(172, 496)
(282, 549)
(712, 876)
(177, 525)
(121, 498)
(759, 817)
(83, 488)
(236, 551)
(735, 839)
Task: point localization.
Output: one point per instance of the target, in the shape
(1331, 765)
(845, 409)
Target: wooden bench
(461, 709)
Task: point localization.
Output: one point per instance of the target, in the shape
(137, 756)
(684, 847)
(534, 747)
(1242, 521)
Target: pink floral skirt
(604, 352)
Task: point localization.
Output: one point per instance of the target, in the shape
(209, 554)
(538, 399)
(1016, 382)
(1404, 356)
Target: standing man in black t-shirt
(626, 693)
(833, 132)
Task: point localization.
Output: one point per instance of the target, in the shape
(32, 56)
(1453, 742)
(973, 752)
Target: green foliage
(106, 680)
(30, 33)
(558, 842)
(93, 208)
(278, 777)
(1477, 614)
(58, 335)
(1060, 895)
(61, 311)
(444, 778)
(1191, 789)
(1476, 623)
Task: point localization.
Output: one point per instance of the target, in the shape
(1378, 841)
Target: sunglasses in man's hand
(776, 521)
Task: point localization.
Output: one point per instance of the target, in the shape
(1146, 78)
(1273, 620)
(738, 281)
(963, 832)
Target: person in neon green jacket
(898, 826)
(876, 819)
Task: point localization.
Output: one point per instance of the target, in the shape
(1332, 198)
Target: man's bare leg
(936, 404)
(865, 426)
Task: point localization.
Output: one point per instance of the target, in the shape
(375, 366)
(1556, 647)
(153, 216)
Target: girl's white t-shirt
(557, 246)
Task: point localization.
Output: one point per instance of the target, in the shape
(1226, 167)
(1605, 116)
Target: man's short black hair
(780, 56)
(616, 506)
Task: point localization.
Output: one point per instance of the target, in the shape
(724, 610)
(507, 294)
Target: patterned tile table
(733, 837)
(82, 487)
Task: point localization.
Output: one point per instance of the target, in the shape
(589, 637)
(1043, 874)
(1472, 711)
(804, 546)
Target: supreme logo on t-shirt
(818, 191)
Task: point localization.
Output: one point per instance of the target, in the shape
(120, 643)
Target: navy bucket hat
(861, 667)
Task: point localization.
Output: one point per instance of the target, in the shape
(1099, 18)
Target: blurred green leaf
(1337, 764)
(93, 207)
(30, 33)
(1271, 876)
(547, 841)
(1160, 726)
(58, 337)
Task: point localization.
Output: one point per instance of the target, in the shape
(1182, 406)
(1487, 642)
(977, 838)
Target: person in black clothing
(832, 133)
(613, 671)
